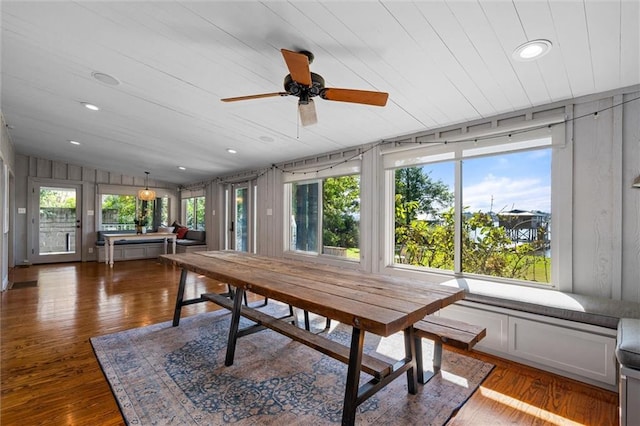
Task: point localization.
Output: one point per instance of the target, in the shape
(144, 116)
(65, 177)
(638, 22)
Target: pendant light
(147, 194)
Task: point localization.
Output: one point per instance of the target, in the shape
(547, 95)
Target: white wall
(606, 218)
(7, 160)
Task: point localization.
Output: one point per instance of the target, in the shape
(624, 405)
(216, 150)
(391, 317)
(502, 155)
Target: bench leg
(307, 325)
(437, 357)
(419, 363)
(437, 360)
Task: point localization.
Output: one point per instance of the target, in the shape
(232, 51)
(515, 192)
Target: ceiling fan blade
(298, 64)
(355, 96)
(263, 95)
(307, 113)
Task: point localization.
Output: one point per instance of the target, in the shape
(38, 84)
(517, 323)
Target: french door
(55, 223)
(241, 216)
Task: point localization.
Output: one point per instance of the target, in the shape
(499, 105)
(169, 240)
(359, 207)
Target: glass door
(56, 225)
(241, 213)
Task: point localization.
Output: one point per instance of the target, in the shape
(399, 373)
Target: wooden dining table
(369, 303)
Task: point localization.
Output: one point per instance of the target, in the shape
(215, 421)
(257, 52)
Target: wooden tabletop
(374, 303)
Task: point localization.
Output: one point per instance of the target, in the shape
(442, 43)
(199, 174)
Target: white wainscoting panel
(578, 352)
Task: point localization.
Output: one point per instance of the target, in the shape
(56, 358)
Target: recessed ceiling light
(266, 138)
(182, 168)
(92, 107)
(231, 151)
(105, 78)
(74, 142)
(532, 50)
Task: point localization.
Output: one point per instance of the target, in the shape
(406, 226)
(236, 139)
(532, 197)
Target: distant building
(526, 226)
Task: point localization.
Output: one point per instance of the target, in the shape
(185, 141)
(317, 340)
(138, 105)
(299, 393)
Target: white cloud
(507, 193)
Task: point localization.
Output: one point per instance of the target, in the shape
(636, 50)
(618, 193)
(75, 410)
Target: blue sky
(520, 180)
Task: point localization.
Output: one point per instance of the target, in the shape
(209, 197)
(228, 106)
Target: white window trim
(289, 215)
(561, 190)
(316, 173)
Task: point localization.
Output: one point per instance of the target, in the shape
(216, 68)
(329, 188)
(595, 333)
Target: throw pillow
(181, 232)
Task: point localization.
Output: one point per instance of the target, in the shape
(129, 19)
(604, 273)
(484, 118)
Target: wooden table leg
(233, 329)
(111, 244)
(353, 377)
(179, 298)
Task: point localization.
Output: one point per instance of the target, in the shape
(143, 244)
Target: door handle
(232, 226)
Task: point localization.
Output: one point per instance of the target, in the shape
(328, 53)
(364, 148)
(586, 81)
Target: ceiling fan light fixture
(307, 113)
(532, 50)
(146, 194)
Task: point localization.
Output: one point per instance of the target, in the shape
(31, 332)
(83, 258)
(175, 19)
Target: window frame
(184, 207)
(518, 141)
(318, 175)
(108, 189)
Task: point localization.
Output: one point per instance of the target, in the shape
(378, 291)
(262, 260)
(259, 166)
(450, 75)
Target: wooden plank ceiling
(441, 63)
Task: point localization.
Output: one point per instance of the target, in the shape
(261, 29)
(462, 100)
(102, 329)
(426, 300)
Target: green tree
(416, 186)
(341, 209)
(57, 198)
(121, 208)
(486, 247)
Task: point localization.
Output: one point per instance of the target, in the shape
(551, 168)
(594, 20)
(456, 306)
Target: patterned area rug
(164, 375)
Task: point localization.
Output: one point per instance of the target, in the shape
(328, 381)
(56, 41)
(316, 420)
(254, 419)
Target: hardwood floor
(49, 374)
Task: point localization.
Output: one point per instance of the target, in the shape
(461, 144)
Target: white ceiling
(441, 63)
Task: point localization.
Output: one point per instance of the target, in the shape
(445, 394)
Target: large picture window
(325, 216)
(423, 216)
(506, 218)
(193, 212)
(120, 212)
(477, 212)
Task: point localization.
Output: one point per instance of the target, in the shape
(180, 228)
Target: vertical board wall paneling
(631, 199)
(592, 214)
(59, 171)
(616, 194)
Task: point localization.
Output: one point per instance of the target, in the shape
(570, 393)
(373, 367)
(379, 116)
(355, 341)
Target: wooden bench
(370, 364)
(443, 330)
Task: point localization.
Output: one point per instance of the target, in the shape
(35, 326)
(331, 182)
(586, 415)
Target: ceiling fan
(304, 84)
